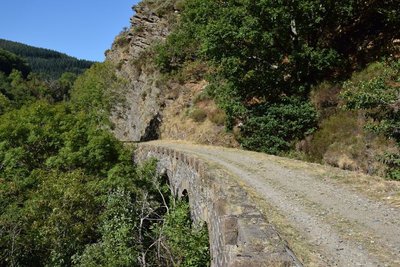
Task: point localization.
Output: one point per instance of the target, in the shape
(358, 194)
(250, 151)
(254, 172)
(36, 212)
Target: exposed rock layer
(138, 117)
(153, 107)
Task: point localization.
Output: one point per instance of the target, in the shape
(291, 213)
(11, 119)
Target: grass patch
(198, 115)
(217, 117)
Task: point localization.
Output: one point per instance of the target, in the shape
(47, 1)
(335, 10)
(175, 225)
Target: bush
(325, 98)
(122, 40)
(186, 244)
(163, 8)
(272, 128)
(197, 114)
(341, 128)
(217, 116)
(378, 95)
(98, 90)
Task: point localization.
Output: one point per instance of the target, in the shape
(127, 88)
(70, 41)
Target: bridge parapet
(239, 234)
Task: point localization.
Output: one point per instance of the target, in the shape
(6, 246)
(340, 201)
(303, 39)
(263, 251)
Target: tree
(262, 53)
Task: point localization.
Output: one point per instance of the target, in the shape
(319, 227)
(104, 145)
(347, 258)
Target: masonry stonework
(239, 234)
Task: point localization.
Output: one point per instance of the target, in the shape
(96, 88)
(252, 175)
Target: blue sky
(80, 28)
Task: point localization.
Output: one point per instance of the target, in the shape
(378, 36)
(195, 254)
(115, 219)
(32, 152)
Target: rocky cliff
(138, 117)
(155, 106)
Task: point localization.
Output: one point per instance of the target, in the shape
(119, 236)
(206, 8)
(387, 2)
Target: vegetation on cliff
(265, 59)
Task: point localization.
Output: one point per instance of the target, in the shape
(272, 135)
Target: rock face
(151, 106)
(137, 118)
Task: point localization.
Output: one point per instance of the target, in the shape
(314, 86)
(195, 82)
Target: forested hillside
(312, 79)
(69, 192)
(19, 86)
(45, 61)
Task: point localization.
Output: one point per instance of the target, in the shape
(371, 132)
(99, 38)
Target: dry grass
(374, 187)
(217, 117)
(196, 119)
(197, 115)
(343, 142)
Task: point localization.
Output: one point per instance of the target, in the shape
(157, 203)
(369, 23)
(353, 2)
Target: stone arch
(239, 234)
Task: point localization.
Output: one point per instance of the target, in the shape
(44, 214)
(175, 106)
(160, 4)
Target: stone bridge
(239, 234)
(246, 198)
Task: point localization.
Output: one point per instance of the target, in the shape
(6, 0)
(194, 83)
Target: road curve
(331, 223)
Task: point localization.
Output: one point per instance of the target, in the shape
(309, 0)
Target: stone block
(229, 230)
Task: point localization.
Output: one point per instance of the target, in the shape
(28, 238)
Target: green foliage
(52, 159)
(62, 211)
(271, 128)
(69, 188)
(4, 103)
(26, 139)
(186, 245)
(50, 63)
(262, 52)
(117, 245)
(97, 90)
(69, 192)
(393, 162)
(60, 89)
(10, 62)
(16, 90)
(378, 95)
(341, 128)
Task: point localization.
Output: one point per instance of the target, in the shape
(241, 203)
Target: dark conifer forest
(50, 63)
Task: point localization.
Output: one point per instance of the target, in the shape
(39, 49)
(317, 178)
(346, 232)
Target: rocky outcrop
(153, 108)
(137, 117)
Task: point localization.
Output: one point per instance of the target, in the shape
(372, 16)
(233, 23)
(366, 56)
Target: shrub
(194, 70)
(325, 98)
(163, 8)
(272, 128)
(341, 128)
(187, 244)
(197, 114)
(217, 116)
(121, 40)
(378, 95)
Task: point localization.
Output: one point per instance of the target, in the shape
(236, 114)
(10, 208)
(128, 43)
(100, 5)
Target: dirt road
(327, 223)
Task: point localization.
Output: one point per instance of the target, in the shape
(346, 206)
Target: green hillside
(49, 62)
(285, 72)
(9, 62)
(69, 193)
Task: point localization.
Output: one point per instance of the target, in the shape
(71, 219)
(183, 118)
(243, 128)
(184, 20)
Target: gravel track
(345, 228)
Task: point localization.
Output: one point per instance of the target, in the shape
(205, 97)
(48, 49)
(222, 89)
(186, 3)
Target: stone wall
(239, 234)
